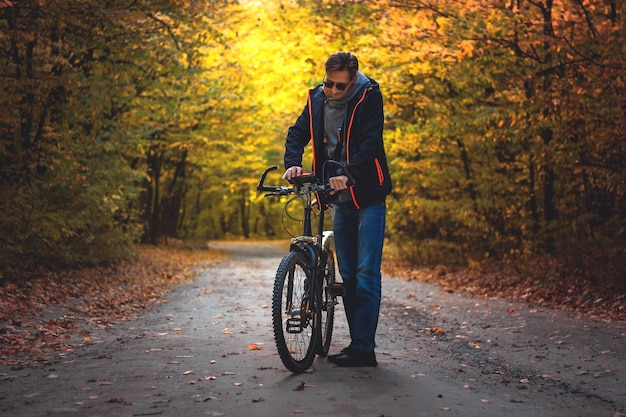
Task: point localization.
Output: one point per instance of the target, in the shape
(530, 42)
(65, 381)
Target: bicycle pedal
(294, 325)
(336, 289)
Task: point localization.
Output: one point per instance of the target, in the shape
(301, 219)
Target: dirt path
(209, 352)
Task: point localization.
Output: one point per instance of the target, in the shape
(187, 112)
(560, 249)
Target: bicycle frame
(306, 186)
(305, 290)
(308, 243)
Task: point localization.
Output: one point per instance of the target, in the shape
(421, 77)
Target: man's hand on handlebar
(338, 183)
(292, 172)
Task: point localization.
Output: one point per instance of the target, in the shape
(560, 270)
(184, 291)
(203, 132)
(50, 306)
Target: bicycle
(305, 290)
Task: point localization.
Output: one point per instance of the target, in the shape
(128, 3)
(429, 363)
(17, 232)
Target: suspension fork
(313, 254)
(308, 246)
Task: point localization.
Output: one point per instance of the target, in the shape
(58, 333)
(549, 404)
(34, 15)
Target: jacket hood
(362, 81)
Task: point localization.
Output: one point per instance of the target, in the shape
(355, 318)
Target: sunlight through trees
(152, 120)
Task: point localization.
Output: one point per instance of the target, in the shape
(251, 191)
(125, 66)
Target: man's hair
(343, 61)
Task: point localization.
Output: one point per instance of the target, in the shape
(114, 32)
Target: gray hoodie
(335, 117)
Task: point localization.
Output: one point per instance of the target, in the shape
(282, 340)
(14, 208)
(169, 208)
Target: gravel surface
(209, 351)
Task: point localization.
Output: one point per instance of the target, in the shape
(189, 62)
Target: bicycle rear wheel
(328, 303)
(293, 318)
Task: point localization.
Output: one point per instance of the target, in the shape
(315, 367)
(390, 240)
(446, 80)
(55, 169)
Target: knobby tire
(296, 347)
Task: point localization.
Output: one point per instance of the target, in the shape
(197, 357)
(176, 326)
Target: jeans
(359, 236)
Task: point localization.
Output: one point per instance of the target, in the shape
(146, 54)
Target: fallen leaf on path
(204, 399)
(436, 330)
(254, 346)
(116, 400)
(258, 400)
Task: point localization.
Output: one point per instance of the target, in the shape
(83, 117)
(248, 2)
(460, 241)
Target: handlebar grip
(261, 186)
(350, 181)
(343, 170)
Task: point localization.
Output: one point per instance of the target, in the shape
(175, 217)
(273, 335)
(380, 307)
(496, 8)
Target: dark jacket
(366, 160)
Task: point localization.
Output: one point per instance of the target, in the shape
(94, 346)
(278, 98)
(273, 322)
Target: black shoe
(332, 357)
(355, 358)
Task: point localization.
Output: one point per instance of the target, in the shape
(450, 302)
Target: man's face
(334, 82)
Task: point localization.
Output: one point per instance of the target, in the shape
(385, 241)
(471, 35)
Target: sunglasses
(331, 84)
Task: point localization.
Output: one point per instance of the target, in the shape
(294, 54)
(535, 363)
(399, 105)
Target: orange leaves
(50, 313)
(435, 330)
(540, 285)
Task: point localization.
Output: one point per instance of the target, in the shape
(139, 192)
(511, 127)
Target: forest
(129, 122)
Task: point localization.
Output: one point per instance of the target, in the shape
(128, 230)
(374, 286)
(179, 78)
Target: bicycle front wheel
(293, 317)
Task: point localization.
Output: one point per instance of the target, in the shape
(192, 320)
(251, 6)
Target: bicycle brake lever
(344, 171)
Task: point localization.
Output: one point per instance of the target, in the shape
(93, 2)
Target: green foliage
(65, 185)
(75, 71)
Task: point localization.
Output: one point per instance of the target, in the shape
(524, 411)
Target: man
(343, 120)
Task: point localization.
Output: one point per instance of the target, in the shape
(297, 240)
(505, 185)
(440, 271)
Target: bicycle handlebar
(344, 171)
(274, 189)
(300, 181)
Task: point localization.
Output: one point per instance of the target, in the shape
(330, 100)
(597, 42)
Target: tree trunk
(244, 209)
